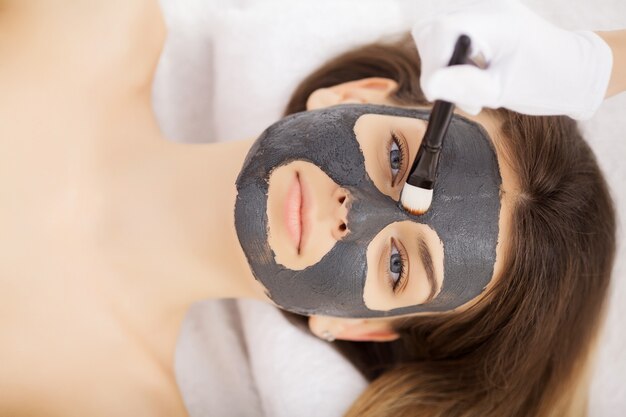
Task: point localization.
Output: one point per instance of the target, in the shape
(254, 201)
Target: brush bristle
(416, 200)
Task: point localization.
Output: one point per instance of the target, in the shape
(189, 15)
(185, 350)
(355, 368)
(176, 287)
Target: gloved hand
(533, 67)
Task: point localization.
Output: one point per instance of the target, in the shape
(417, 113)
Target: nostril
(342, 199)
(343, 227)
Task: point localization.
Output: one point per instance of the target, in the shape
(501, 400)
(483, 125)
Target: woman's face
(318, 217)
(307, 215)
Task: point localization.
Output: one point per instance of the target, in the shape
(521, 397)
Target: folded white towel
(212, 367)
(296, 373)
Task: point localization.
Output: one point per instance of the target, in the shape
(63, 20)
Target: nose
(342, 201)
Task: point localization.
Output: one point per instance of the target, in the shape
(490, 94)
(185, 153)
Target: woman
(520, 349)
(108, 240)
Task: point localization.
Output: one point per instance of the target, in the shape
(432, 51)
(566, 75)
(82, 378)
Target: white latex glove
(533, 67)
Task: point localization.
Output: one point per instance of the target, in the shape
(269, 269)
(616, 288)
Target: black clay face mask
(464, 212)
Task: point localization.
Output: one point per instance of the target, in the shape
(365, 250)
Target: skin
(616, 40)
(110, 231)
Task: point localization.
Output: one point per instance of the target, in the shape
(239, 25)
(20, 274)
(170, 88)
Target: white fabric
(212, 364)
(243, 358)
(534, 67)
(296, 373)
(226, 72)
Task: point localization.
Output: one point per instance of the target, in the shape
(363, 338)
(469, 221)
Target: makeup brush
(417, 193)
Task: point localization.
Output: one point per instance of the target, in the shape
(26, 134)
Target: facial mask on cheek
(464, 212)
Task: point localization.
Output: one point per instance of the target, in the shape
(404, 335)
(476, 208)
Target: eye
(398, 270)
(397, 158)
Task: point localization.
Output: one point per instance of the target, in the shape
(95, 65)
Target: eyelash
(394, 139)
(398, 284)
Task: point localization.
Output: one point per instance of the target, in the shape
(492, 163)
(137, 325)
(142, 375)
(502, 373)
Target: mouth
(295, 213)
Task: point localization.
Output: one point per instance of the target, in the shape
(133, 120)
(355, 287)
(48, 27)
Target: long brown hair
(523, 349)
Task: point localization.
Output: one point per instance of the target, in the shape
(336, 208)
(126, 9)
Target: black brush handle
(422, 173)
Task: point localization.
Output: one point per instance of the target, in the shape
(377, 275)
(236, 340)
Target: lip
(305, 209)
(295, 213)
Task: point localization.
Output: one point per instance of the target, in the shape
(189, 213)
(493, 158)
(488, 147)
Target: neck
(198, 214)
(177, 221)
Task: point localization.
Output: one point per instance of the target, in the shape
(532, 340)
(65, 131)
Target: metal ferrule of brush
(426, 169)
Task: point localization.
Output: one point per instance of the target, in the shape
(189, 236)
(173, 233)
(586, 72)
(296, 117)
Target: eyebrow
(427, 261)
